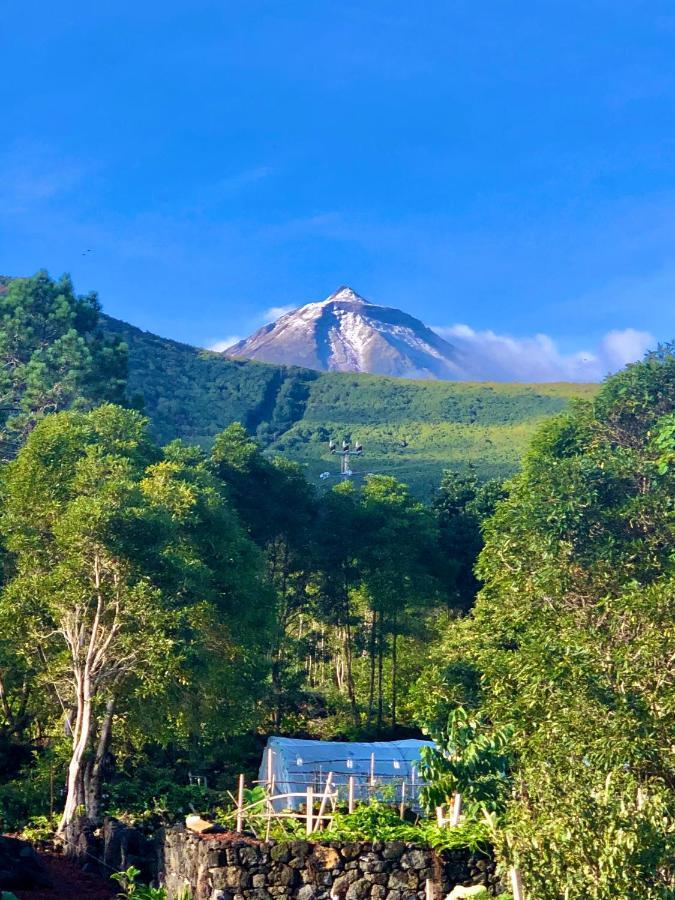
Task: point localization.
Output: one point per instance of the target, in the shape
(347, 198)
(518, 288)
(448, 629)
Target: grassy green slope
(193, 394)
(415, 429)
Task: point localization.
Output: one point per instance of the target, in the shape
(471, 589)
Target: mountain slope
(345, 333)
(411, 429)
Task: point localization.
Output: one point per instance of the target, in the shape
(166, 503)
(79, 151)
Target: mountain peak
(346, 333)
(344, 292)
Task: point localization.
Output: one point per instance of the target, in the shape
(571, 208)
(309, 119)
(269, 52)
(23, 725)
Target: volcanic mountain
(345, 333)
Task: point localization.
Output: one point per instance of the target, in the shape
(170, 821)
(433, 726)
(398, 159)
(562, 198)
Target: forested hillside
(411, 429)
(164, 607)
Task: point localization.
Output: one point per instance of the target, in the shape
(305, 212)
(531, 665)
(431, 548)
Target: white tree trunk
(81, 738)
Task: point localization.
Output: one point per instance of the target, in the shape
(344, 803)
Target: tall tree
(52, 355)
(124, 569)
(461, 505)
(572, 644)
(278, 507)
(398, 574)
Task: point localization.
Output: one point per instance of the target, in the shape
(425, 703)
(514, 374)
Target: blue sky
(506, 167)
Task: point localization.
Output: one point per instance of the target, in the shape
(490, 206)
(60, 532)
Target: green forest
(177, 585)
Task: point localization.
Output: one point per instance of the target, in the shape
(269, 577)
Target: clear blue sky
(506, 165)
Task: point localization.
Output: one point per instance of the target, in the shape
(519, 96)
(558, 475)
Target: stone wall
(217, 868)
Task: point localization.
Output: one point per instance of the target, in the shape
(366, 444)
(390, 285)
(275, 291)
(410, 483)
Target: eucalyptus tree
(278, 507)
(131, 580)
(398, 574)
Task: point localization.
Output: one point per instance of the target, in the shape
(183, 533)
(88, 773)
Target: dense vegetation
(412, 430)
(163, 607)
(54, 355)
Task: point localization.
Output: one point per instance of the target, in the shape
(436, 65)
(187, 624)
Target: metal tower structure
(344, 452)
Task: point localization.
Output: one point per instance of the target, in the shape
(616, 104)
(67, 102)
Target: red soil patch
(230, 837)
(69, 882)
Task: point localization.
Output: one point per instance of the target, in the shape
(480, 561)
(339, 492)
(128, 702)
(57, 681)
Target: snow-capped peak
(346, 293)
(347, 333)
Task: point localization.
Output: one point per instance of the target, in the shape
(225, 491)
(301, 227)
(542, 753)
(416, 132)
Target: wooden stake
(372, 770)
(240, 805)
(456, 810)
(270, 809)
(310, 809)
(429, 889)
(324, 799)
(440, 818)
(269, 767)
(402, 810)
(350, 794)
(517, 884)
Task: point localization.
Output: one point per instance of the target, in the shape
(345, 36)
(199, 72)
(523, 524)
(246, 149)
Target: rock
(306, 892)
(283, 875)
(476, 891)
(372, 863)
(325, 857)
(414, 859)
(358, 890)
(202, 826)
(280, 853)
(393, 850)
(341, 885)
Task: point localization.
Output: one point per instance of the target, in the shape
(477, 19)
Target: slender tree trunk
(81, 739)
(380, 673)
(371, 651)
(349, 653)
(93, 775)
(349, 677)
(394, 673)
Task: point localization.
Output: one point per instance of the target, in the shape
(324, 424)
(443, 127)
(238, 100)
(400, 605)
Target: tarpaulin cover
(295, 764)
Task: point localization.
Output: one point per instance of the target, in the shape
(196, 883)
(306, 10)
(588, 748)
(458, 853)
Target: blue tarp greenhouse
(295, 764)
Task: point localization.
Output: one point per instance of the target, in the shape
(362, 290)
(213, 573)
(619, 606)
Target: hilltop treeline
(164, 605)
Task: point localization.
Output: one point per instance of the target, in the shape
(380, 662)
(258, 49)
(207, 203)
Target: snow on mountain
(346, 333)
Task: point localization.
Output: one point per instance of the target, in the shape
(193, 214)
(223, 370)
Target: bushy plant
(128, 881)
(469, 758)
(379, 821)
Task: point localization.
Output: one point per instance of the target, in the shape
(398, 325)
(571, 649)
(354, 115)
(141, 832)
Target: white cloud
(488, 356)
(219, 346)
(276, 312)
(269, 315)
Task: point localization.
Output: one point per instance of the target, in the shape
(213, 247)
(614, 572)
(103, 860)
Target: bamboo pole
(270, 809)
(402, 809)
(350, 794)
(517, 884)
(269, 767)
(240, 805)
(310, 809)
(324, 799)
(456, 810)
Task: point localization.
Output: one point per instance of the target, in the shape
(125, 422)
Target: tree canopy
(53, 355)
(572, 641)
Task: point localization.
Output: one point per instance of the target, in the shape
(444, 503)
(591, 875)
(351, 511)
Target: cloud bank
(488, 356)
(219, 346)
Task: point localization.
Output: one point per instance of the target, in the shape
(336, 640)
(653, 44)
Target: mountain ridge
(347, 333)
(410, 429)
